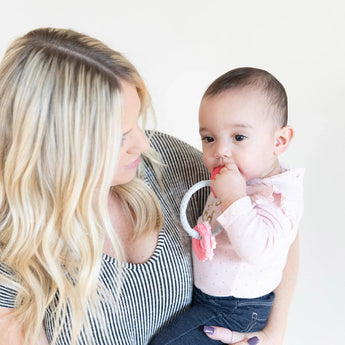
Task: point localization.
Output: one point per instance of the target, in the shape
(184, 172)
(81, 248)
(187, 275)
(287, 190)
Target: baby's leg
(187, 329)
(237, 314)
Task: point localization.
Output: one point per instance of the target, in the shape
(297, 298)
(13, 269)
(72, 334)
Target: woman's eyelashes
(123, 139)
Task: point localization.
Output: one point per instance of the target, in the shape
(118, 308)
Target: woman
(82, 239)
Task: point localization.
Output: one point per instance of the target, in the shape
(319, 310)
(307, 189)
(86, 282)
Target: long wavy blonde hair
(60, 133)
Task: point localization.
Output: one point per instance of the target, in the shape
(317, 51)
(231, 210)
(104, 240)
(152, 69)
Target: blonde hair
(60, 133)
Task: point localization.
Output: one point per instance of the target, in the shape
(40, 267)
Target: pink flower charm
(204, 247)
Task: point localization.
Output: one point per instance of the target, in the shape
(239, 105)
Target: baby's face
(237, 126)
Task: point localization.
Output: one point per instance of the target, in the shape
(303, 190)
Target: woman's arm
(277, 322)
(12, 332)
(274, 331)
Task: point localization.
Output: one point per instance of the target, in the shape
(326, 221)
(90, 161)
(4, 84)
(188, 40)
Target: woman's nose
(142, 143)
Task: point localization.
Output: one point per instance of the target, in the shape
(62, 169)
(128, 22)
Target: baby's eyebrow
(239, 125)
(235, 125)
(243, 125)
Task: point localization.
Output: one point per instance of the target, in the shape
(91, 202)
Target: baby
(256, 199)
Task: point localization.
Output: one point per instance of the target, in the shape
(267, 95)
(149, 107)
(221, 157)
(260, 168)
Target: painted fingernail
(253, 341)
(208, 329)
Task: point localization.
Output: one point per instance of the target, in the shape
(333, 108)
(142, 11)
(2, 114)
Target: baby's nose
(223, 151)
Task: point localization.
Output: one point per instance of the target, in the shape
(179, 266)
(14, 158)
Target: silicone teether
(183, 210)
(215, 171)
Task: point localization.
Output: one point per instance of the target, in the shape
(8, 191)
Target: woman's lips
(134, 164)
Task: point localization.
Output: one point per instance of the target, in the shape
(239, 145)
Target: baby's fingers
(231, 166)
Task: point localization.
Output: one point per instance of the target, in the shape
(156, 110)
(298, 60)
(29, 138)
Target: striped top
(156, 291)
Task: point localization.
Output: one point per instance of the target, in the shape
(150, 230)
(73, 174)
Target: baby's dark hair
(257, 79)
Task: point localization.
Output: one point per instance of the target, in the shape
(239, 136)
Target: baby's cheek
(208, 164)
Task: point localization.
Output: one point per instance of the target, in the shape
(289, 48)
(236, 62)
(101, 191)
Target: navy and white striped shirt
(156, 291)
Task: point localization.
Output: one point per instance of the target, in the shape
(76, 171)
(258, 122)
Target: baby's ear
(283, 137)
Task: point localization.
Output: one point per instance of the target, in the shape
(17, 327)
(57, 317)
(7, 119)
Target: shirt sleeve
(7, 294)
(258, 233)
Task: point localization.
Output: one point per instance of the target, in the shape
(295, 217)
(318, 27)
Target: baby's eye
(207, 139)
(239, 137)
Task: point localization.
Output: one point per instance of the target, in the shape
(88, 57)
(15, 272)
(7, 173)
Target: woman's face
(134, 142)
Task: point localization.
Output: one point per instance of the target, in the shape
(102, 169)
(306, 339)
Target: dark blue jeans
(237, 314)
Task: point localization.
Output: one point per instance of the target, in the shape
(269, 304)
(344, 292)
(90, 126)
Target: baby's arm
(256, 231)
(259, 232)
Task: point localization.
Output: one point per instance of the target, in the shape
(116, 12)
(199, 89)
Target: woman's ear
(284, 136)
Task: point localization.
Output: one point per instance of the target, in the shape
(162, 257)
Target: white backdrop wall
(180, 46)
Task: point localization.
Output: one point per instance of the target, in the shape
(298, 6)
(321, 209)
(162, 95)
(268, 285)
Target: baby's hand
(229, 185)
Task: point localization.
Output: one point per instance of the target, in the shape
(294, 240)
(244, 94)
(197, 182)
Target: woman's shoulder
(183, 167)
(169, 142)
(178, 154)
(7, 294)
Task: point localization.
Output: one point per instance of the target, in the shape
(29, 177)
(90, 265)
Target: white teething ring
(183, 210)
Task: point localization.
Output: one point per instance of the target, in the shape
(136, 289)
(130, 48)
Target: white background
(180, 46)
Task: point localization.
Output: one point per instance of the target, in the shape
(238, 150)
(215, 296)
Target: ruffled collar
(276, 188)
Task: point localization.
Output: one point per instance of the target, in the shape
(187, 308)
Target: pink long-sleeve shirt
(251, 251)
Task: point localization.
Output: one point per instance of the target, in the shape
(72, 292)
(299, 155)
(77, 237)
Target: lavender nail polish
(208, 329)
(253, 341)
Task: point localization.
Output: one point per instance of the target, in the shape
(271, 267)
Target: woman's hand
(228, 337)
